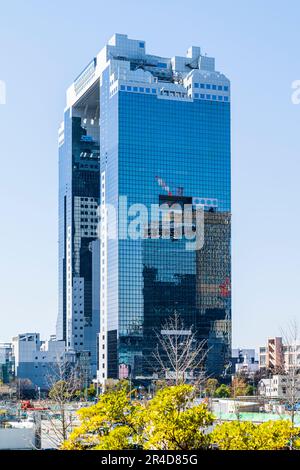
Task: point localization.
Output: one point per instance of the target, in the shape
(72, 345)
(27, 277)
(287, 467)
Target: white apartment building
(279, 386)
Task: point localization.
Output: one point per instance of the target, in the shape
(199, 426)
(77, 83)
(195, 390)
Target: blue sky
(43, 47)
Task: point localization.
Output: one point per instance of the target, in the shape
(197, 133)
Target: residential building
(280, 386)
(279, 356)
(160, 129)
(271, 356)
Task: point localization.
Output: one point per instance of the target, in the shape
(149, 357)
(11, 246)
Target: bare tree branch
(63, 382)
(179, 354)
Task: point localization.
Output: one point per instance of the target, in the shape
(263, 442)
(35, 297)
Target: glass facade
(78, 319)
(188, 145)
(158, 143)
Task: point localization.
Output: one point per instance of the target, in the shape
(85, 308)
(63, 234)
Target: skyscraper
(78, 317)
(160, 128)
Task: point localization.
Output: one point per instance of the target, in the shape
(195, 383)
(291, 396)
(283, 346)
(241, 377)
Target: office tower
(78, 317)
(164, 140)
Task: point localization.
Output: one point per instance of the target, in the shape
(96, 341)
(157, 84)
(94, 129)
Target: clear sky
(43, 47)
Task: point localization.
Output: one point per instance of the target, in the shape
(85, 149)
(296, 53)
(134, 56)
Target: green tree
(91, 391)
(116, 384)
(249, 390)
(210, 387)
(223, 391)
(62, 392)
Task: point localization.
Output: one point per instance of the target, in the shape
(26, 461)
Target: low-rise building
(244, 361)
(280, 386)
(36, 360)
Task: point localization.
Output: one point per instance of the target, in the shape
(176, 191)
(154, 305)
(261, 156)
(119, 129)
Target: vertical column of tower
(102, 372)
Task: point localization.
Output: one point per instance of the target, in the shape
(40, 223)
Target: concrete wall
(17, 438)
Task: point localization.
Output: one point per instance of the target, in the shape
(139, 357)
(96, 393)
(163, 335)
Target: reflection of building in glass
(78, 319)
(169, 279)
(163, 131)
(6, 362)
(214, 289)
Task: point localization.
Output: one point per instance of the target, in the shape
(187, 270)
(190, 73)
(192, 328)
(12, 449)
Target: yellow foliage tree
(170, 420)
(113, 423)
(174, 422)
(237, 435)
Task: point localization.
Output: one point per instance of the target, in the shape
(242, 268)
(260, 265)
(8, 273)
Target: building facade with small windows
(279, 356)
(280, 386)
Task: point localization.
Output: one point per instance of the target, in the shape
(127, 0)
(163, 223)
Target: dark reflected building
(78, 318)
(213, 290)
(194, 284)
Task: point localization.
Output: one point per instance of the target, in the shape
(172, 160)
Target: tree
(64, 386)
(210, 387)
(113, 423)
(249, 390)
(173, 422)
(290, 371)
(236, 435)
(179, 354)
(170, 420)
(91, 391)
(239, 387)
(25, 388)
(117, 384)
(223, 391)
(117, 439)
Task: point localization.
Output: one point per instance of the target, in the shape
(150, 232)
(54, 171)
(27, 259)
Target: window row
(138, 89)
(211, 97)
(208, 86)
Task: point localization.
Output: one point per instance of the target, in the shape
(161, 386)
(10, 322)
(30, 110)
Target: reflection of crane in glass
(225, 294)
(227, 368)
(225, 288)
(160, 181)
